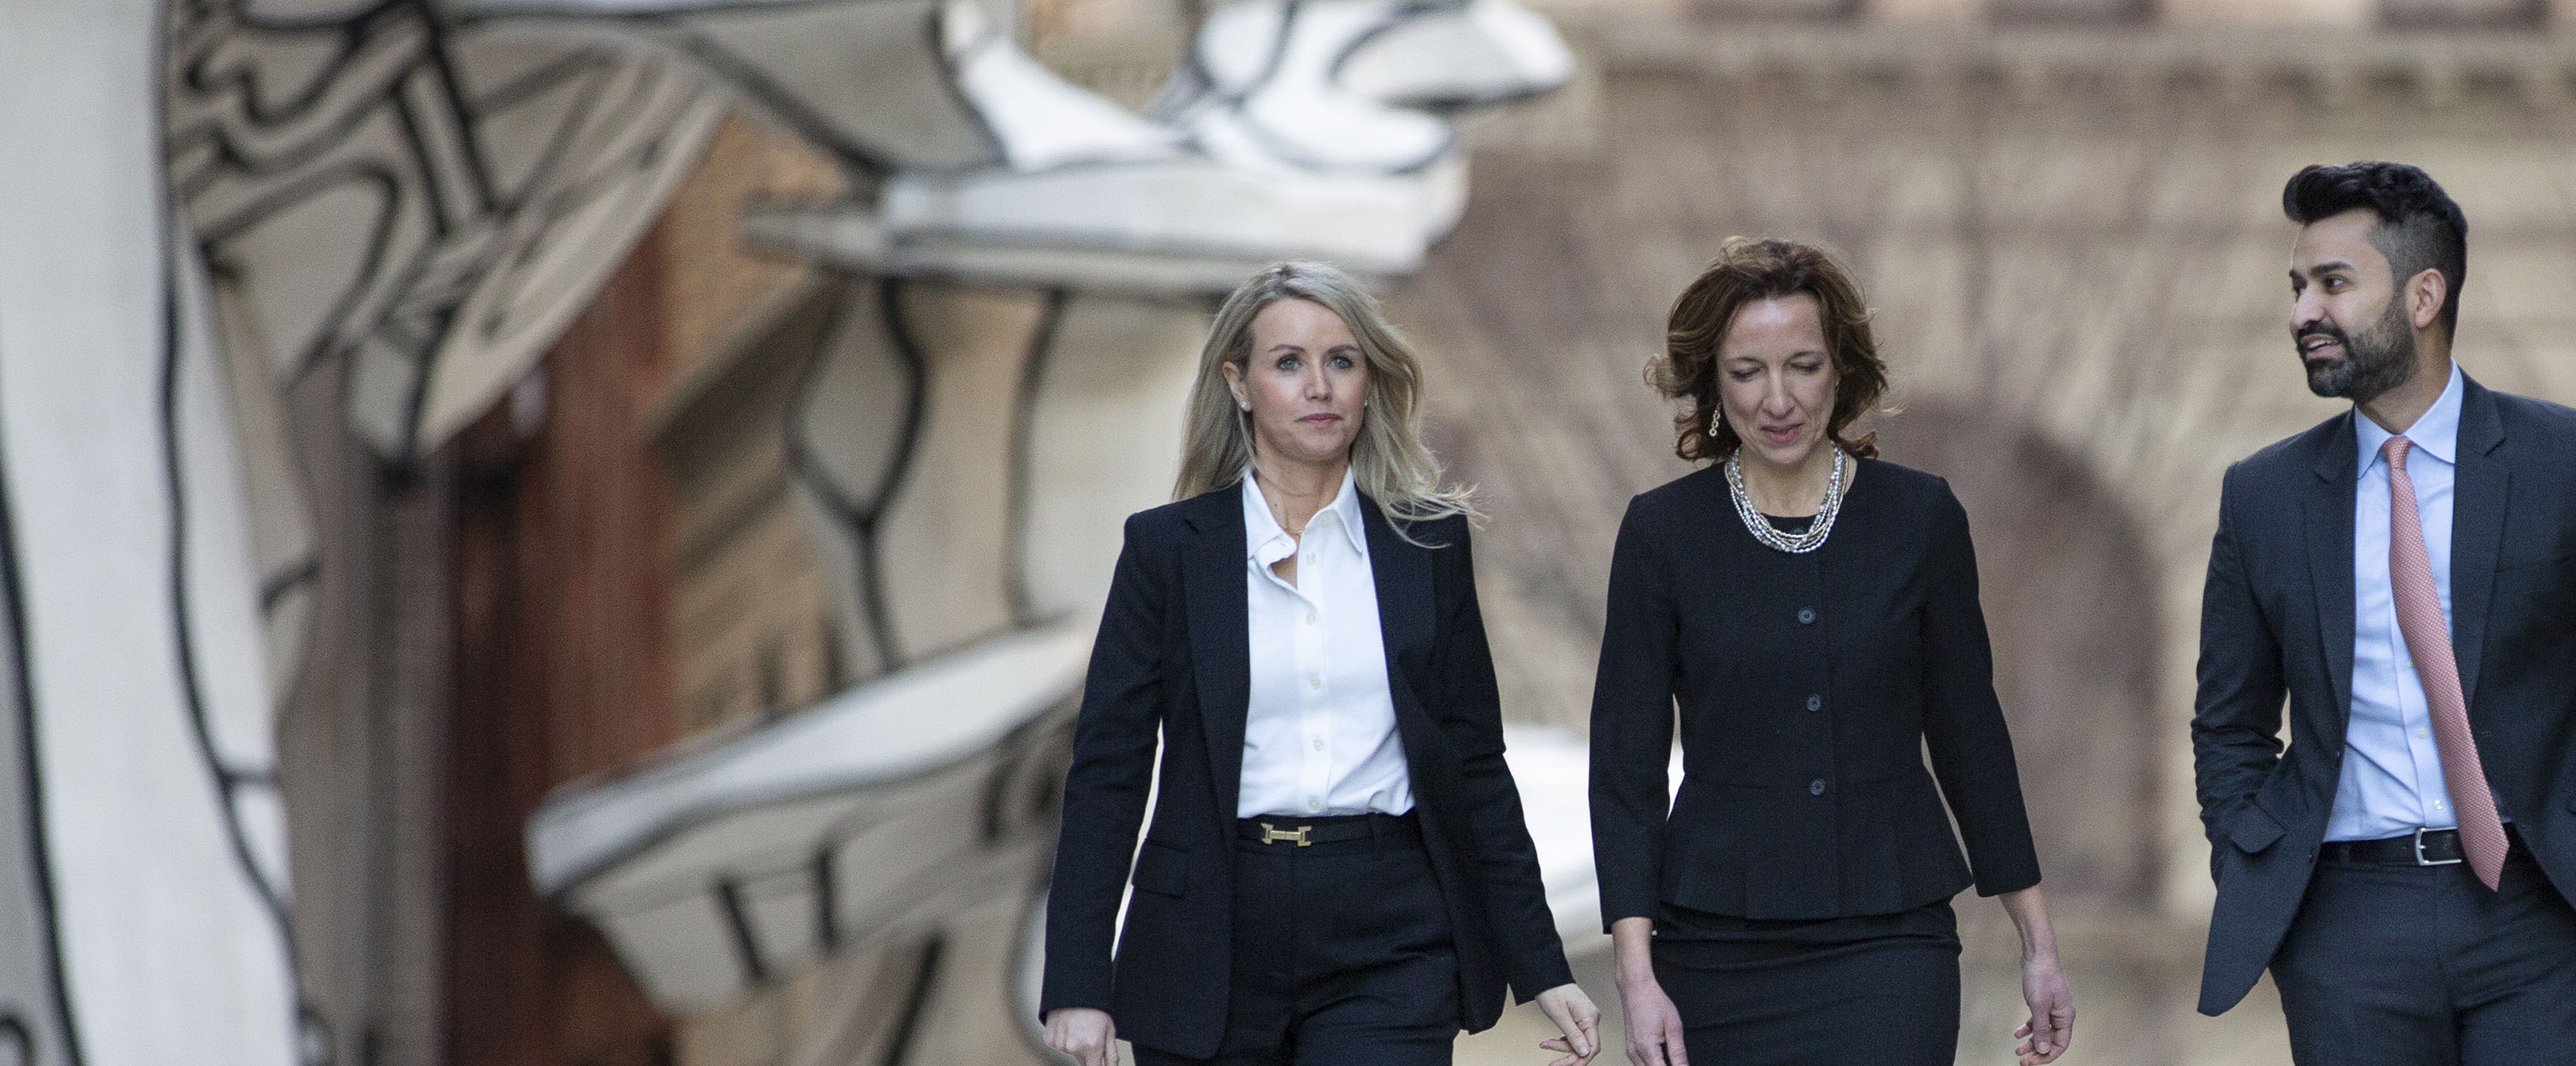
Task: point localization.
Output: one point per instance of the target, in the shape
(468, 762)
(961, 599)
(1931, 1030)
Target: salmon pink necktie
(2428, 641)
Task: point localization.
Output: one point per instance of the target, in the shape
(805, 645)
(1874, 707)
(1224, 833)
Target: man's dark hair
(2420, 228)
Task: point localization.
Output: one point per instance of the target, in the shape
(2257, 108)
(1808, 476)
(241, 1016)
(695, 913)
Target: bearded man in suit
(2404, 574)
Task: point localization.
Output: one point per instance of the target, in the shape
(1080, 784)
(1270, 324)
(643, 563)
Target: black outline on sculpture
(227, 779)
(827, 897)
(746, 943)
(1177, 99)
(744, 78)
(278, 586)
(40, 859)
(862, 520)
(670, 33)
(16, 1031)
(925, 979)
(1031, 754)
(407, 295)
(1020, 480)
(1396, 18)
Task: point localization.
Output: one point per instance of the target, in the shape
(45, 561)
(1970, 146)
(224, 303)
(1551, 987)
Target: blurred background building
(767, 478)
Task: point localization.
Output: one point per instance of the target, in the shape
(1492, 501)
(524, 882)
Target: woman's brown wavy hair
(1747, 270)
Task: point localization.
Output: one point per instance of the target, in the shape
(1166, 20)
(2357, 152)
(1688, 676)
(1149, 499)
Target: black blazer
(1174, 653)
(1807, 685)
(2277, 619)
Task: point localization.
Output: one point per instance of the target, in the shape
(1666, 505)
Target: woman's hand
(2052, 1011)
(2043, 982)
(1084, 1033)
(1577, 1018)
(1654, 1027)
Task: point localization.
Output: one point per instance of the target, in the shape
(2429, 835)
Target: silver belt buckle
(2420, 860)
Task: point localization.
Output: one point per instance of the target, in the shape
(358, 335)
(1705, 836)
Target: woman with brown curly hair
(1812, 611)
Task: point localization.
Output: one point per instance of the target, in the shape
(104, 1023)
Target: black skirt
(1874, 989)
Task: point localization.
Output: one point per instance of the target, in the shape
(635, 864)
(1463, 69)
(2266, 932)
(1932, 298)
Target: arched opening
(2070, 602)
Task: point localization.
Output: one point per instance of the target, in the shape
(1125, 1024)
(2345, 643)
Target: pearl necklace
(1793, 543)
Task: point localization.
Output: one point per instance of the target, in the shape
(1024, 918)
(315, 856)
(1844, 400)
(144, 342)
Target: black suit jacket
(2277, 620)
(1174, 653)
(1808, 687)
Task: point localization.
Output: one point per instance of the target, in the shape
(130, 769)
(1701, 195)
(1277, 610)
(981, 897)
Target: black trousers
(2422, 966)
(1342, 957)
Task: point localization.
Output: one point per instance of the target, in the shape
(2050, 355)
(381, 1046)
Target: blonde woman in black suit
(1337, 871)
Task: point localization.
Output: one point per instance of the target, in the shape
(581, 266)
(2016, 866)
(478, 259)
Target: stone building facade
(2069, 228)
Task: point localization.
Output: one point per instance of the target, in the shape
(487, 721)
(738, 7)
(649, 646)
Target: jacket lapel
(1213, 584)
(2478, 495)
(1404, 607)
(2330, 562)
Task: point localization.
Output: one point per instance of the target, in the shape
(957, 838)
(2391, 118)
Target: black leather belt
(1291, 831)
(2423, 847)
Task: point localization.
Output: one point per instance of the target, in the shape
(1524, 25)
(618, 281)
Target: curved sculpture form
(142, 853)
(904, 800)
(935, 539)
(1295, 135)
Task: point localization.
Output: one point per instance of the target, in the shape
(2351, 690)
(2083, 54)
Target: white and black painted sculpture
(1128, 219)
(209, 198)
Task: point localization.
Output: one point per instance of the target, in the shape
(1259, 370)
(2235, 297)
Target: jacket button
(1815, 703)
(1806, 616)
(1816, 787)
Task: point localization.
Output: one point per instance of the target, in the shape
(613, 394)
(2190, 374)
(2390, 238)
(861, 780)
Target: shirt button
(1314, 681)
(1310, 616)
(1314, 803)
(2419, 732)
(1806, 616)
(1816, 787)
(1319, 743)
(1815, 703)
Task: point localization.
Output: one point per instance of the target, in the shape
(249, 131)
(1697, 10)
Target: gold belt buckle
(1273, 836)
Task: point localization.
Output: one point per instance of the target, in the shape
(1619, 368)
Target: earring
(1243, 405)
(1715, 420)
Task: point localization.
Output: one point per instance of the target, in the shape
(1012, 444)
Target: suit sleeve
(1105, 789)
(1963, 723)
(1632, 724)
(1515, 893)
(2236, 716)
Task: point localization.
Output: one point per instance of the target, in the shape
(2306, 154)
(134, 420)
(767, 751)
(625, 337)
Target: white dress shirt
(1319, 736)
(2392, 774)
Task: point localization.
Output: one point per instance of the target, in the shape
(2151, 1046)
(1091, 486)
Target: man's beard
(2377, 360)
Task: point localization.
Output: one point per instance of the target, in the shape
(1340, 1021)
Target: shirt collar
(2436, 432)
(1266, 543)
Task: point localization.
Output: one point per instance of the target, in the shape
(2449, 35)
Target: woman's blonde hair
(1388, 460)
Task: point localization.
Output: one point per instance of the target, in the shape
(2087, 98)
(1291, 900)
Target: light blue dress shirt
(2392, 773)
